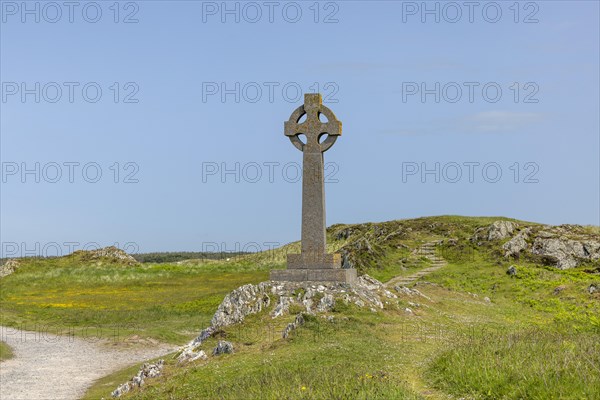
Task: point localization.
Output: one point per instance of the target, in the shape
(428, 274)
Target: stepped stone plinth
(327, 268)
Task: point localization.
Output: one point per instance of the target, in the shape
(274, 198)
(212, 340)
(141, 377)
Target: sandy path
(53, 367)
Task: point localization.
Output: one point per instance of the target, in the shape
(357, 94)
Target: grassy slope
(456, 344)
(161, 301)
(526, 343)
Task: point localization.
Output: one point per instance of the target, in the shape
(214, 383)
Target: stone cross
(313, 263)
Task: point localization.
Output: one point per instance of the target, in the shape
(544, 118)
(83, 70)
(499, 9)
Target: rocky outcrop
(109, 254)
(223, 347)
(146, 371)
(344, 234)
(189, 355)
(517, 244)
(501, 230)
(566, 253)
(9, 267)
(498, 230)
(245, 300)
(311, 297)
(565, 246)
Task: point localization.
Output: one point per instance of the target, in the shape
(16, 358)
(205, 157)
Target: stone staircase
(437, 262)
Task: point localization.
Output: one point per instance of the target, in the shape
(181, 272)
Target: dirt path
(437, 262)
(46, 366)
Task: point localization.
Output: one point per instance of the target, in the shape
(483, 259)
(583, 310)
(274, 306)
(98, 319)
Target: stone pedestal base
(314, 268)
(345, 275)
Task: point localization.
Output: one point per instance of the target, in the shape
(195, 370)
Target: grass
(5, 352)
(161, 301)
(529, 341)
(531, 364)
(548, 345)
(322, 360)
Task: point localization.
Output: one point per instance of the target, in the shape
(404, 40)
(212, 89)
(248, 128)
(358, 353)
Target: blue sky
(166, 135)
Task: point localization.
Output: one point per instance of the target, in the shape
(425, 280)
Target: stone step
(427, 250)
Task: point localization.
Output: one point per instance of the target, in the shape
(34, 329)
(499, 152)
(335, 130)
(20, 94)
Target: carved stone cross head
(312, 127)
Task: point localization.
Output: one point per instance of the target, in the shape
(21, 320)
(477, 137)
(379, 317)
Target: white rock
(223, 347)
(501, 230)
(564, 252)
(517, 244)
(281, 307)
(326, 304)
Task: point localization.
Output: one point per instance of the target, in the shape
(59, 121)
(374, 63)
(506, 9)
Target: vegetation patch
(534, 364)
(5, 352)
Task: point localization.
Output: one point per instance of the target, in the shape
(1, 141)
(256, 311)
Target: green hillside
(474, 331)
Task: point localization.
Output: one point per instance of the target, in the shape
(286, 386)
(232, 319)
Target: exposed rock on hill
(313, 298)
(498, 230)
(109, 254)
(146, 371)
(310, 298)
(9, 267)
(245, 300)
(564, 246)
(566, 252)
(223, 347)
(517, 244)
(501, 230)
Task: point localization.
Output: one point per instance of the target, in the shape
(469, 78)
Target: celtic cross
(321, 129)
(313, 187)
